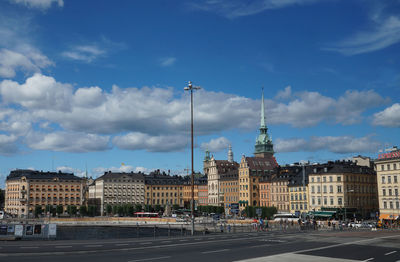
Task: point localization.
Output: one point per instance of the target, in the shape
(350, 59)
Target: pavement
(252, 247)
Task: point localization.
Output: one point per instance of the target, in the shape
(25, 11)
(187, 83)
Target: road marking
(387, 254)
(63, 246)
(121, 245)
(369, 259)
(183, 240)
(146, 243)
(215, 251)
(93, 246)
(167, 241)
(265, 245)
(149, 259)
(29, 247)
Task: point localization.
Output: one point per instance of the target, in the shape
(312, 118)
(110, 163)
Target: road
(263, 246)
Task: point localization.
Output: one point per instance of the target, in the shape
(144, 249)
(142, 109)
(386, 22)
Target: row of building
(360, 187)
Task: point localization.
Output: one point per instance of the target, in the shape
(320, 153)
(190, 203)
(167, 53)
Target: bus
(146, 214)
(286, 216)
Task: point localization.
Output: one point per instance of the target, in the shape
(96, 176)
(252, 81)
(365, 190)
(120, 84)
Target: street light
(190, 88)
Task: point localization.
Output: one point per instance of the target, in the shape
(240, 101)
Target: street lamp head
(186, 88)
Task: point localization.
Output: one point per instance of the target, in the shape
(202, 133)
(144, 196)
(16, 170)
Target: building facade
(388, 180)
(26, 189)
(162, 189)
(344, 187)
(230, 190)
(117, 189)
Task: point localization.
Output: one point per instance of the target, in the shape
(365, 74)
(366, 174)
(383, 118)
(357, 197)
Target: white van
(287, 217)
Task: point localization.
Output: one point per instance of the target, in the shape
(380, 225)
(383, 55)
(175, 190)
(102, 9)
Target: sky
(99, 85)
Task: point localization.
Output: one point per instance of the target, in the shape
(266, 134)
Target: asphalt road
(300, 246)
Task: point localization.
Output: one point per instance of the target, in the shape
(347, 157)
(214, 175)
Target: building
(280, 192)
(388, 179)
(265, 191)
(215, 170)
(203, 194)
(199, 180)
(344, 187)
(162, 189)
(117, 189)
(27, 189)
(254, 169)
(230, 190)
(298, 192)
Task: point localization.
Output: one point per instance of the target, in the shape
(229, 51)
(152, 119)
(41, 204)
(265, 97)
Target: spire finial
(262, 125)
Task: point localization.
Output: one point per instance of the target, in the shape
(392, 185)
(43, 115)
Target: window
(324, 178)
(382, 167)
(324, 189)
(383, 180)
(325, 201)
(394, 179)
(340, 201)
(388, 166)
(339, 178)
(396, 192)
(394, 166)
(389, 179)
(319, 201)
(331, 201)
(318, 179)
(318, 189)
(339, 189)
(390, 191)
(384, 204)
(384, 192)
(330, 189)
(391, 204)
(313, 201)
(330, 179)
(312, 189)
(312, 180)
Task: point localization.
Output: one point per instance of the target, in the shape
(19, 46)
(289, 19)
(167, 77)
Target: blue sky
(99, 83)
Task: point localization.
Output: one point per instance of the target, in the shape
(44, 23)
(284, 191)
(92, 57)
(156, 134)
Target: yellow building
(280, 193)
(26, 189)
(162, 189)
(230, 190)
(388, 178)
(298, 194)
(344, 187)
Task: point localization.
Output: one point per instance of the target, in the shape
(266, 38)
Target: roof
(119, 175)
(40, 175)
(261, 163)
(161, 178)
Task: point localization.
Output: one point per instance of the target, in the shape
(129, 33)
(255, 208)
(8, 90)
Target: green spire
(263, 144)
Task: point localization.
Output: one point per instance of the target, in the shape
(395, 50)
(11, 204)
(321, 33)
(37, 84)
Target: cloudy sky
(99, 84)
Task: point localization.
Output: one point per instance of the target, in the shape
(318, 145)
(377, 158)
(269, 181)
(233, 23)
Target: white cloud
(39, 4)
(84, 53)
(216, 144)
(160, 143)
(284, 94)
(167, 61)
(8, 144)
(390, 117)
(385, 33)
(68, 142)
(18, 51)
(339, 144)
(156, 119)
(237, 8)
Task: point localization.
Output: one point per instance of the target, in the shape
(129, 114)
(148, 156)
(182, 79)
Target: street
(262, 246)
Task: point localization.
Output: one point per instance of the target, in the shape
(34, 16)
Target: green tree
(120, 210)
(138, 208)
(72, 210)
(83, 211)
(157, 208)
(59, 209)
(115, 209)
(176, 207)
(109, 209)
(38, 211)
(130, 210)
(92, 210)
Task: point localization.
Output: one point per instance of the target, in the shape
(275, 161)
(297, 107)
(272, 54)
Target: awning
(387, 216)
(322, 213)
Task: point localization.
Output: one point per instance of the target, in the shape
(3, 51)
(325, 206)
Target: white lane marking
(93, 246)
(118, 245)
(183, 240)
(387, 254)
(29, 247)
(63, 246)
(265, 245)
(146, 243)
(215, 251)
(149, 259)
(369, 259)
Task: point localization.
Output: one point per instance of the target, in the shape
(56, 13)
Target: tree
(176, 207)
(120, 210)
(92, 210)
(83, 210)
(109, 209)
(130, 210)
(138, 208)
(59, 209)
(38, 211)
(71, 210)
(115, 209)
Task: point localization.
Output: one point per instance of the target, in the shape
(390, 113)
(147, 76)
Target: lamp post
(190, 88)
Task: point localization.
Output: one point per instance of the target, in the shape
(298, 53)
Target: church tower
(263, 146)
(230, 154)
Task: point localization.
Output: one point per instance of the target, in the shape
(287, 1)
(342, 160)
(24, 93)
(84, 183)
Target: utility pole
(190, 88)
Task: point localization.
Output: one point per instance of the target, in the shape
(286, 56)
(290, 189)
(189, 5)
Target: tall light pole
(190, 88)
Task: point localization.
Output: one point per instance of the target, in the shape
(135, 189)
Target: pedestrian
(229, 228)
(261, 224)
(221, 227)
(266, 225)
